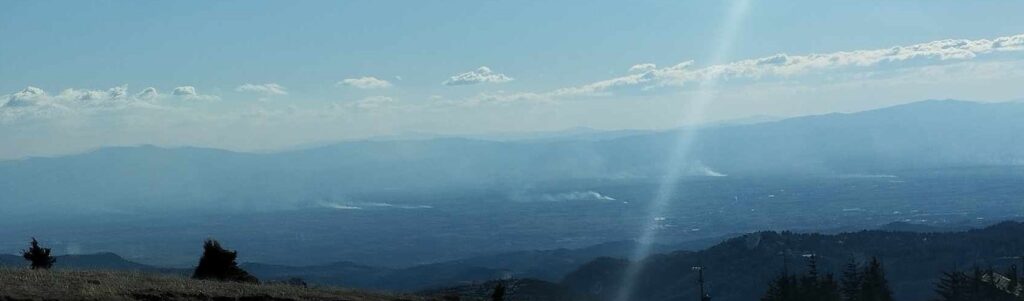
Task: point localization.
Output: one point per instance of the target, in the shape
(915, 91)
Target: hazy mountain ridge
(919, 135)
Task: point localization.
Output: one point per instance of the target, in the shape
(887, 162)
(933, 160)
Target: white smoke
(588, 195)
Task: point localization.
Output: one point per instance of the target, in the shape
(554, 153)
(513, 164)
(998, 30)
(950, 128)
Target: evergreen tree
(39, 257)
(809, 281)
(218, 263)
(874, 286)
(852, 279)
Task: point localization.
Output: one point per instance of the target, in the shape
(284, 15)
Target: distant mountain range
(920, 135)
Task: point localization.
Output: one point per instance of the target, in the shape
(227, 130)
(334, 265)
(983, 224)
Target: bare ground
(23, 284)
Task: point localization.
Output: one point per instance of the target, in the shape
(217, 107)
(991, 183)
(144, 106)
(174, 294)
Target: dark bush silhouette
(38, 256)
(499, 292)
(219, 264)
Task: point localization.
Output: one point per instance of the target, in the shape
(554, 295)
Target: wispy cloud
(369, 103)
(366, 82)
(648, 76)
(268, 89)
(478, 76)
(639, 68)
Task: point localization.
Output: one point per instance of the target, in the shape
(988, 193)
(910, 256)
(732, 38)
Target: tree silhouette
(874, 286)
(218, 263)
(38, 256)
(952, 286)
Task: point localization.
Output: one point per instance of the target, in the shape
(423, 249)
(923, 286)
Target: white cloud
(30, 96)
(265, 89)
(366, 82)
(190, 93)
(149, 93)
(119, 92)
(95, 97)
(480, 75)
(184, 91)
(35, 104)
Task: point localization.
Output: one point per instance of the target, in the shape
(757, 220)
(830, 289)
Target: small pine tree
(39, 257)
(218, 263)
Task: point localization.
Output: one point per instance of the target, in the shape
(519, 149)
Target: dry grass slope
(23, 284)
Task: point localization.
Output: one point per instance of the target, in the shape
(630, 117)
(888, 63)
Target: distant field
(23, 284)
(558, 215)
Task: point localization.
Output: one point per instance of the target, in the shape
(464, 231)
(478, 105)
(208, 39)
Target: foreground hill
(740, 268)
(23, 284)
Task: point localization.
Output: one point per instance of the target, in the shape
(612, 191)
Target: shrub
(39, 257)
(218, 263)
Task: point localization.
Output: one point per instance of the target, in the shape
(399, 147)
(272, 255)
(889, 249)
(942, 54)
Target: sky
(271, 75)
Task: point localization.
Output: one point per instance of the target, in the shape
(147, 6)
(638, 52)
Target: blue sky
(89, 61)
